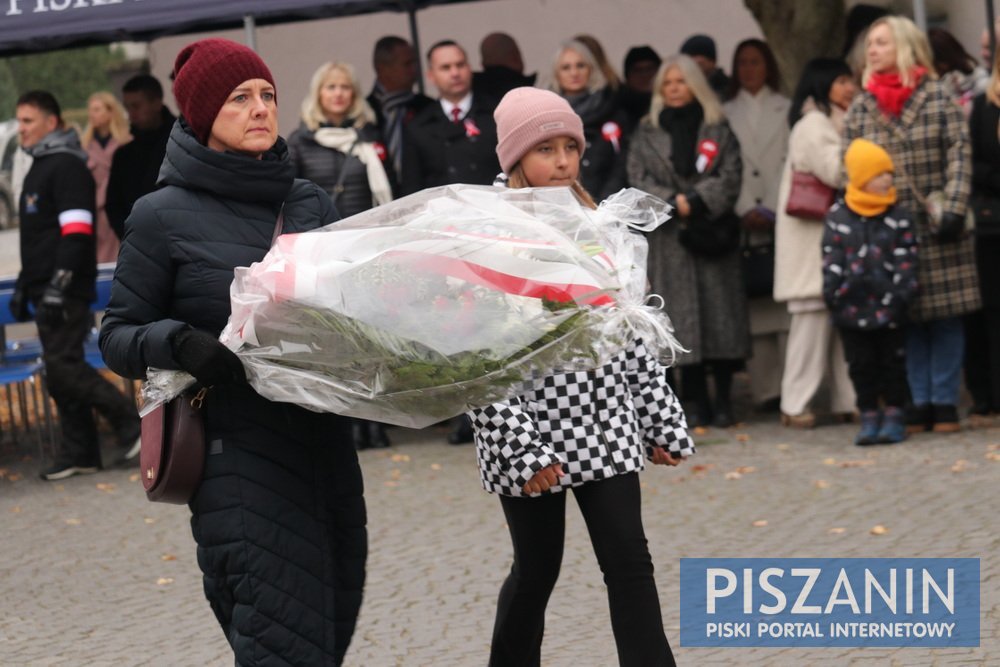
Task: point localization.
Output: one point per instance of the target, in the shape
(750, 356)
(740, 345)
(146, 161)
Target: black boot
(377, 437)
(359, 434)
(722, 371)
(695, 391)
(461, 432)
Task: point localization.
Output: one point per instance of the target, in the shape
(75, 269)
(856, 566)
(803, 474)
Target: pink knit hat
(205, 72)
(527, 116)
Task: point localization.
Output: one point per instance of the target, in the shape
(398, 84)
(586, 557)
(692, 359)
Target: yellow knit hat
(864, 161)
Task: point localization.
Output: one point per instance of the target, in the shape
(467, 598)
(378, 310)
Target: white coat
(761, 124)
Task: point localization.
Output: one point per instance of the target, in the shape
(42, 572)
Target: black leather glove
(19, 305)
(52, 305)
(951, 227)
(209, 361)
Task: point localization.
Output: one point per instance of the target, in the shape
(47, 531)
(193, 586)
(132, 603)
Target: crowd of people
(834, 244)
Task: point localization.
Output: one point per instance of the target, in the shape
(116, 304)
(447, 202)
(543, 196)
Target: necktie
(456, 115)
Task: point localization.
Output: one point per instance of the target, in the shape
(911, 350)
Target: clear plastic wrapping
(417, 310)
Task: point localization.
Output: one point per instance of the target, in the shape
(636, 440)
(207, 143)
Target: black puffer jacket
(323, 165)
(279, 518)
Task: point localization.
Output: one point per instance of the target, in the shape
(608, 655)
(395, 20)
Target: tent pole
(991, 27)
(920, 14)
(411, 11)
(250, 27)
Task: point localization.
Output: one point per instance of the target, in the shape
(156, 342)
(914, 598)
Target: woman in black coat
(338, 148)
(279, 516)
(982, 329)
(577, 77)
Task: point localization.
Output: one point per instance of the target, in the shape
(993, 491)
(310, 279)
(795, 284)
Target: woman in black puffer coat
(338, 148)
(577, 78)
(279, 517)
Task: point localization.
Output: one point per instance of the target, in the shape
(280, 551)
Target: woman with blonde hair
(905, 109)
(338, 147)
(106, 131)
(578, 78)
(685, 152)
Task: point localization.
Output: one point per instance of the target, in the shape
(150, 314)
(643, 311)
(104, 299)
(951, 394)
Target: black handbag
(758, 269)
(710, 237)
(986, 211)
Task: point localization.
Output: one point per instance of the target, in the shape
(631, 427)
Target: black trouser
(876, 362)
(77, 388)
(612, 511)
(982, 358)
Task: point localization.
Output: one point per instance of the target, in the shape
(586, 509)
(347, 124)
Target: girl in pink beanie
(585, 431)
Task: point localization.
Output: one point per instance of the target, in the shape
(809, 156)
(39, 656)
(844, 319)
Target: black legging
(612, 511)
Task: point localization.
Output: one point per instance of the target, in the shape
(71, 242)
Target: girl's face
(336, 95)
(98, 114)
(880, 185)
(572, 73)
(880, 51)
(843, 91)
(751, 69)
(552, 162)
(247, 123)
(674, 89)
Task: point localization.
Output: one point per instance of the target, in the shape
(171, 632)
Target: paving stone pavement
(92, 574)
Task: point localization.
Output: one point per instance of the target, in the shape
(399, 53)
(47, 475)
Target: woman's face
(336, 95)
(880, 50)
(751, 69)
(98, 115)
(572, 73)
(552, 162)
(247, 123)
(842, 91)
(674, 89)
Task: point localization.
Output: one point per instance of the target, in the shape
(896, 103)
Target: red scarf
(889, 91)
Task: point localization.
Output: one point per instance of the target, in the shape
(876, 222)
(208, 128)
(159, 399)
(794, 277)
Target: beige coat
(763, 144)
(814, 147)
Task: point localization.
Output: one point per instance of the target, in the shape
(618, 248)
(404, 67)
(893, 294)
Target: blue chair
(20, 370)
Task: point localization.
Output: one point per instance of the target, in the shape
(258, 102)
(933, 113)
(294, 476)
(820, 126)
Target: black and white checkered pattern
(597, 424)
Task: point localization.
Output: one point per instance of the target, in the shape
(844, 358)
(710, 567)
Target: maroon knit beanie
(205, 72)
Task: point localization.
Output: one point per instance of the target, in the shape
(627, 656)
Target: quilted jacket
(597, 424)
(279, 517)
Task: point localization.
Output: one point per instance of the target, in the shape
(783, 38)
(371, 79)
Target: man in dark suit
(453, 141)
(393, 100)
(503, 67)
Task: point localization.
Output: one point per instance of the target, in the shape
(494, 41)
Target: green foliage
(71, 75)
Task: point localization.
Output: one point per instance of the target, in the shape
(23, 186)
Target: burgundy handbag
(809, 197)
(172, 453)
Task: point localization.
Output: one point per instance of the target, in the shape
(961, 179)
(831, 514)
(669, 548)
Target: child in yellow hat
(869, 278)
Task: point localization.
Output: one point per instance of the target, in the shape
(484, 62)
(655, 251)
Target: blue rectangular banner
(815, 602)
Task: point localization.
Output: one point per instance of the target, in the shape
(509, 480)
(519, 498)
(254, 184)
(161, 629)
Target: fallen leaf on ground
(702, 467)
(879, 530)
(134, 477)
(395, 474)
(743, 437)
(3, 473)
(106, 488)
(830, 462)
(784, 447)
(993, 456)
(390, 483)
(435, 466)
(760, 523)
(836, 531)
(399, 458)
(821, 484)
(959, 465)
(149, 520)
(733, 475)
(73, 522)
(60, 487)
(16, 509)
(700, 430)
(15, 477)
(859, 463)
(746, 469)
(168, 557)
(164, 581)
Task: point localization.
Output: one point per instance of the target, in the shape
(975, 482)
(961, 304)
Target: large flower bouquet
(414, 311)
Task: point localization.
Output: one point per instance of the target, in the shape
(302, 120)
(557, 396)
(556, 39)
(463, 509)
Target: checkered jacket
(929, 143)
(597, 424)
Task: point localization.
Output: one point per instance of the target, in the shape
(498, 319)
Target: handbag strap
(338, 187)
(279, 224)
